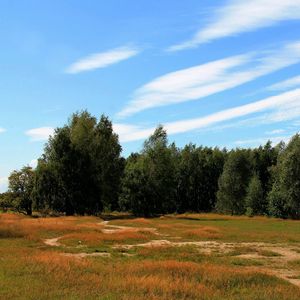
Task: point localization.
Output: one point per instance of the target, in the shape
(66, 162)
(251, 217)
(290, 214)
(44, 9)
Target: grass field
(190, 256)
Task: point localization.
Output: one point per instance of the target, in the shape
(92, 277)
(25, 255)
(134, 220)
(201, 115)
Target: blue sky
(216, 73)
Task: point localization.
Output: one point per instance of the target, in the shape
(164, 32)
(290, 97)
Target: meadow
(117, 256)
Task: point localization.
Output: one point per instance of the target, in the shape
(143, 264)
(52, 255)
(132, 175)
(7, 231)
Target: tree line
(82, 172)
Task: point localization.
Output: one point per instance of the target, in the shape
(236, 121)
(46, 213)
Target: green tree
(199, 171)
(108, 165)
(284, 198)
(81, 168)
(263, 159)
(21, 185)
(136, 195)
(255, 201)
(48, 193)
(149, 183)
(233, 183)
(6, 201)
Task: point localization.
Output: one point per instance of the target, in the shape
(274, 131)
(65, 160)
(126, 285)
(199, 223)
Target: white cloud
(3, 184)
(239, 16)
(260, 141)
(129, 133)
(102, 60)
(286, 84)
(278, 103)
(288, 103)
(2, 130)
(210, 78)
(40, 134)
(275, 131)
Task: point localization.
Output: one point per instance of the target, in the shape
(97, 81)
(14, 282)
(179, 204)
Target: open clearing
(190, 256)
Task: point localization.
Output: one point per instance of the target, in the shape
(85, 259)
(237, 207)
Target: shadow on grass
(118, 216)
(202, 219)
(109, 217)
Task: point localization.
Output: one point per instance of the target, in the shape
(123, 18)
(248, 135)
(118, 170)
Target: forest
(82, 172)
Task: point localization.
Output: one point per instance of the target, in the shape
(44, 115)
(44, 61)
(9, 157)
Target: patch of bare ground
(53, 242)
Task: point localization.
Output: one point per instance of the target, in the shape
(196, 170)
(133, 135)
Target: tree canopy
(82, 172)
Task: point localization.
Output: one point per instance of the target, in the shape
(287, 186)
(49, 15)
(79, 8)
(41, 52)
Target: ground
(190, 256)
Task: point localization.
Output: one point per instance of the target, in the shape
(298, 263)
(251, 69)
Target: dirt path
(53, 242)
(118, 229)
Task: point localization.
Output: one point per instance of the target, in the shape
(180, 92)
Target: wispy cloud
(39, 134)
(210, 78)
(2, 130)
(276, 131)
(240, 16)
(286, 84)
(260, 141)
(102, 59)
(288, 102)
(128, 133)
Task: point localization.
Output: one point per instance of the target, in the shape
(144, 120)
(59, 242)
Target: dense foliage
(82, 172)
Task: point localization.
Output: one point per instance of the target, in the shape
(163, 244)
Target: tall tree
(284, 199)
(255, 201)
(263, 159)
(107, 163)
(82, 160)
(199, 171)
(233, 183)
(149, 183)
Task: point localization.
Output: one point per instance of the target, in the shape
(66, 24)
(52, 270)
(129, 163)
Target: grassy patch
(268, 253)
(245, 262)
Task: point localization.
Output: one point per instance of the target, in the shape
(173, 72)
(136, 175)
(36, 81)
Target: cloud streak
(40, 134)
(263, 140)
(2, 130)
(286, 84)
(210, 78)
(240, 16)
(102, 59)
(276, 131)
(277, 108)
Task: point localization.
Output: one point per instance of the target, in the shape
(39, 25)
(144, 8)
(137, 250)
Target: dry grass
(204, 232)
(31, 270)
(96, 238)
(34, 228)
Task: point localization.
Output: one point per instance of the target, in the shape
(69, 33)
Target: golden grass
(34, 228)
(31, 270)
(204, 232)
(160, 280)
(54, 260)
(96, 238)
